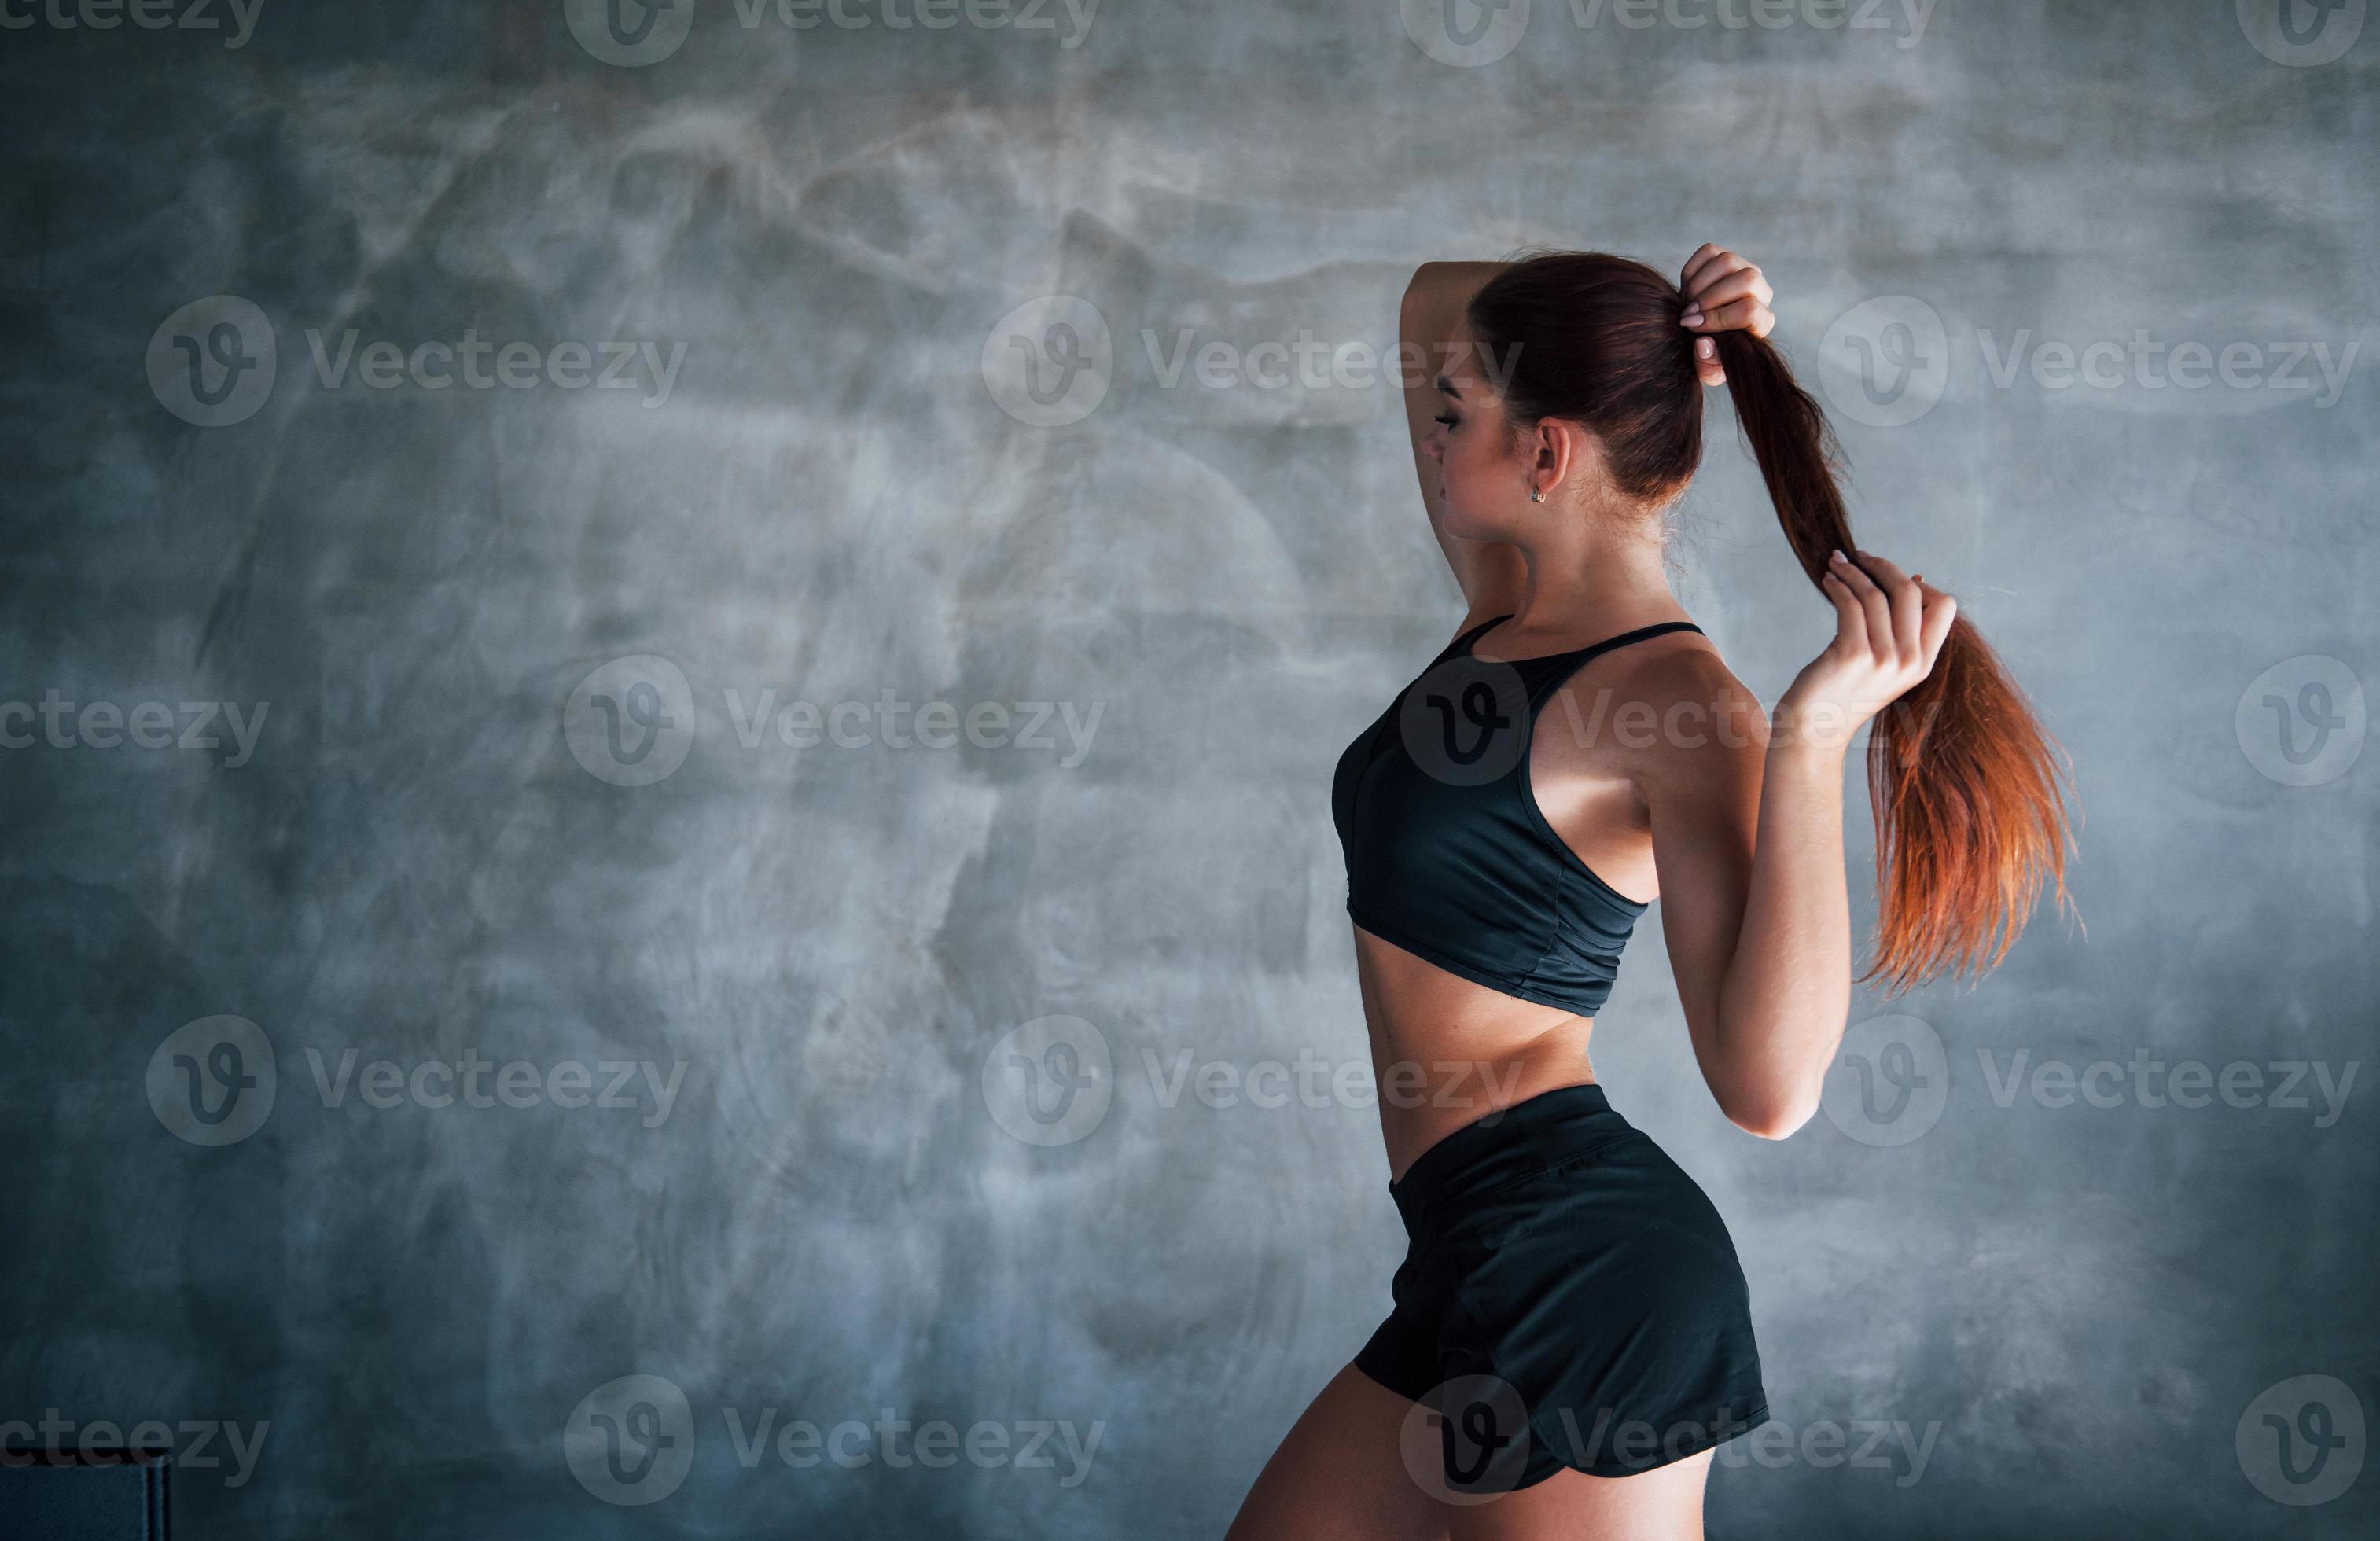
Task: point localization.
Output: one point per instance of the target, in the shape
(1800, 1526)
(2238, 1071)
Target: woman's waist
(1518, 1141)
(1430, 1094)
(1448, 1054)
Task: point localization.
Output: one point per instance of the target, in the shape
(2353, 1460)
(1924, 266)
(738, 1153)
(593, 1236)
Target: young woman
(1571, 1336)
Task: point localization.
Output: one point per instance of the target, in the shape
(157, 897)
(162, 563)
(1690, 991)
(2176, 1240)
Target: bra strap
(1468, 637)
(1642, 633)
(1568, 665)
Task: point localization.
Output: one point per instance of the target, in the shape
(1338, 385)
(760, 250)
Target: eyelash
(1447, 421)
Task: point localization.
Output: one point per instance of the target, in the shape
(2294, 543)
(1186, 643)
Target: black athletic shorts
(1570, 1298)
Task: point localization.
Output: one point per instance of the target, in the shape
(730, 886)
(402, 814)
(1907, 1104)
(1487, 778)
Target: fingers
(1851, 617)
(1747, 314)
(1708, 262)
(1717, 288)
(1940, 611)
(1905, 603)
(1873, 604)
(1723, 293)
(1716, 283)
(1907, 619)
(1704, 256)
(1706, 364)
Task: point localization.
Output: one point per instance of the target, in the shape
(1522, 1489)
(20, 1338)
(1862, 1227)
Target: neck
(1598, 572)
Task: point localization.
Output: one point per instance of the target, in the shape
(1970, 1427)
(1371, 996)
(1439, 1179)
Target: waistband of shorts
(1527, 1136)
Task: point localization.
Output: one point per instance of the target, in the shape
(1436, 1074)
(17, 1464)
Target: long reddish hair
(1965, 786)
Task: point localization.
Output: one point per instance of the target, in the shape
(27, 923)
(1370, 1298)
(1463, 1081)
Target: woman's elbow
(1420, 289)
(1435, 282)
(1771, 1114)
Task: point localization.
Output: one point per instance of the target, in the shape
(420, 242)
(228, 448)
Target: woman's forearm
(1435, 299)
(1787, 991)
(1438, 291)
(1433, 306)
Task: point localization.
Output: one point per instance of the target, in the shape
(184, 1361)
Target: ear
(1561, 449)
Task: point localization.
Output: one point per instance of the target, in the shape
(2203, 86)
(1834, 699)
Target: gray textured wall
(816, 1204)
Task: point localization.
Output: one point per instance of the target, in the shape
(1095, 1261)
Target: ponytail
(1964, 785)
(1970, 825)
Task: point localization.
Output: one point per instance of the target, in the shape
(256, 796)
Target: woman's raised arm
(1489, 572)
(1722, 293)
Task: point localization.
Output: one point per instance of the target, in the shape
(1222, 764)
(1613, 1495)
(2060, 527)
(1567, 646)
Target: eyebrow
(1445, 386)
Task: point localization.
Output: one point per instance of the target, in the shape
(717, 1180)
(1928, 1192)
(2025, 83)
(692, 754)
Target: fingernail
(1705, 347)
(1839, 556)
(1692, 317)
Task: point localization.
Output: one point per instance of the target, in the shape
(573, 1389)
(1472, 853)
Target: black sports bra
(1448, 855)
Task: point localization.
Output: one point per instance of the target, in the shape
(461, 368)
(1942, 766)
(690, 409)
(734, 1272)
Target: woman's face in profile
(1482, 489)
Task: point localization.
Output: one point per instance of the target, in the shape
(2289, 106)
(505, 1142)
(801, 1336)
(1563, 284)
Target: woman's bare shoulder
(1690, 716)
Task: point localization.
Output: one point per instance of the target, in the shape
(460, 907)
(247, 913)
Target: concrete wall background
(430, 853)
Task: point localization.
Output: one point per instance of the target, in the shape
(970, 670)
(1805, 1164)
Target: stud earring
(1536, 496)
